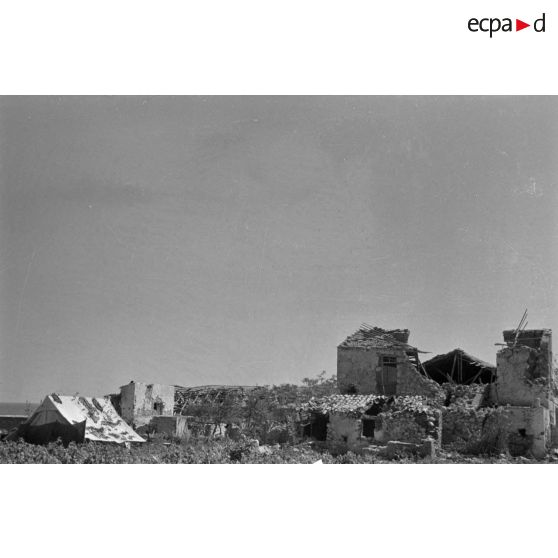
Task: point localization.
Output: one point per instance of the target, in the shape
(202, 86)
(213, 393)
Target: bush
(222, 451)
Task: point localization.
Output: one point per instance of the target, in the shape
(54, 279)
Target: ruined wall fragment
(409, 426)
(139, 402)
(525, 376)
(343, 429)
(357, 367)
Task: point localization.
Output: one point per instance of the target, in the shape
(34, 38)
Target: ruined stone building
(384, 394)
(516, 411)
(387, 396)
(525, 376)
(510, 406)
(526, 385)
(378, 361)
(139, 402)
(172, 410)
(357, 420)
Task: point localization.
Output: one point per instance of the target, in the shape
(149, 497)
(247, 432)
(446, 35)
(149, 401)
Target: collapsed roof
(77, 418)
(368, 336)
(354, 405)
(357, 405)
(207, 395)
(527, 337)
(459, 367)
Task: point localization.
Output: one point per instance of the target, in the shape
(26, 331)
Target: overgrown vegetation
(211, 452)
(267, 414)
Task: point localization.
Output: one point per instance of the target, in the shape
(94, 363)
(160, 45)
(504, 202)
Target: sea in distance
(17, 408)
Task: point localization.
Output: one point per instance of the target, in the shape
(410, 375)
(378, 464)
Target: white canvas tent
(77, 418)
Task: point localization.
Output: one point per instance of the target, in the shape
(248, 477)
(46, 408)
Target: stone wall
(410, 382)
(406, 426)
(343, 429)
(540, 339)
(462, 426)
(139, 402)
(525, 370)
(528, 429)
(403, 426)
(519, 430)
(523, 377)
(356, 370)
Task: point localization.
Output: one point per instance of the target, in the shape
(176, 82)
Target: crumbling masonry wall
(356, 370)
(140, 402)
(410, 427)
(462, 426)
(525, 376)
(526, 389)
(343, 429)
(403, 426)
(519, 430)
(465, 414)
(528, 430)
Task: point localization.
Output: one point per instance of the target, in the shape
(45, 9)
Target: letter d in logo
(539, 24)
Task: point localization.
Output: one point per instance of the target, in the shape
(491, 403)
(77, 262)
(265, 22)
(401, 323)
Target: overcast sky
(238, 240)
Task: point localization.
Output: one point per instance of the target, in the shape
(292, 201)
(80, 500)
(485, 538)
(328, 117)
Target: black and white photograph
(278, 279)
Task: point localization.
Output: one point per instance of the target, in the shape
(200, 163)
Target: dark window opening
(389, 361)
(317, 428)
(352, 390)
(368, 427)
(158, 407)
(522, 432)
(448, 399)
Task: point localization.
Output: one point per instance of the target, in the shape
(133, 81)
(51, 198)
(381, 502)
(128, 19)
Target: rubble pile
(463, 416)
(471, 396)
(475, 430)
(462, 425)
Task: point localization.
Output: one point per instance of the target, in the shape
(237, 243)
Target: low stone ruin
(353, 422)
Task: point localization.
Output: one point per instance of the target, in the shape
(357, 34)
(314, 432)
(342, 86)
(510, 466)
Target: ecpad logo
(492, 25)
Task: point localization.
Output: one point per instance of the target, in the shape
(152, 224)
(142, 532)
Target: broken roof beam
(518, 329)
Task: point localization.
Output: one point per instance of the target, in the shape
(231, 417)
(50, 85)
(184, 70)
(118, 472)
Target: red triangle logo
(519, 25)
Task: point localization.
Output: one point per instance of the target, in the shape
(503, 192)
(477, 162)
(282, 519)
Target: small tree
(321, 386)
